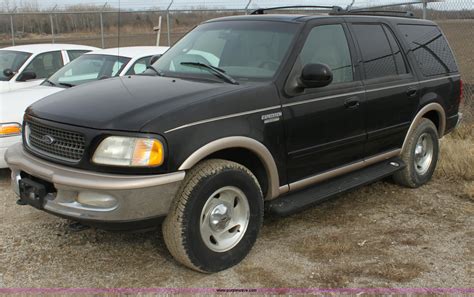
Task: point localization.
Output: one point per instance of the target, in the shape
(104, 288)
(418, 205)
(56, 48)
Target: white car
(28, 65)
(89, 67)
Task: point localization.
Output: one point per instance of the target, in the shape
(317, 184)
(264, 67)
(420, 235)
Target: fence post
(102, 25)
(52, 23)
(168, 23)
(247, 7)
(425, 8)
(52, 27)
(12, 29)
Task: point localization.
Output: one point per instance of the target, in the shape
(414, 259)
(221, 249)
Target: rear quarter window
(430, 48)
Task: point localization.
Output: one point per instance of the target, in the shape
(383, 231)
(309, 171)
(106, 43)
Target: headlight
(129, 151)
(10, 129)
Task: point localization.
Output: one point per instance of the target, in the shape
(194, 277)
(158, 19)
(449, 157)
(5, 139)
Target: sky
(232, 4)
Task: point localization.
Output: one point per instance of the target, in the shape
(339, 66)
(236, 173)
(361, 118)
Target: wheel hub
(424, 150)
(220, 217)
(224, 219)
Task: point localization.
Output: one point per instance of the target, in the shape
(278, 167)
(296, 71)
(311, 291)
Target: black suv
(244, 114)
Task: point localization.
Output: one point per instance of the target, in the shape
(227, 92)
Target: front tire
(216, 216)
(420, 156)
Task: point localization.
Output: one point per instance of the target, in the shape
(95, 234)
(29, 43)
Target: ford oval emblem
(48, 139)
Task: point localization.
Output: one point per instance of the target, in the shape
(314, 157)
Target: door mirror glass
(316, 76)
(27, 75)
(8, 73)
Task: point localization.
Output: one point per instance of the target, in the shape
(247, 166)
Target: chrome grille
(54, 142)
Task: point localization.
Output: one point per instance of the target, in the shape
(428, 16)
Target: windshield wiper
(157, 71)
(66, 84)
(217, 71)
(50, 82)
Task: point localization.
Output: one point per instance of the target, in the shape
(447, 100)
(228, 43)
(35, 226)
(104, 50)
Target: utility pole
(157, 29)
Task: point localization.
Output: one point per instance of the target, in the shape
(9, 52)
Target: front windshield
(245, 50)
(12, 60)
(88, 67)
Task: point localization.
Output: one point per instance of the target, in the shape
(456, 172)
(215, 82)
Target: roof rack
(334, 9)
(397, 13)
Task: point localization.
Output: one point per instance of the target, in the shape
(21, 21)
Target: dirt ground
(378, 236)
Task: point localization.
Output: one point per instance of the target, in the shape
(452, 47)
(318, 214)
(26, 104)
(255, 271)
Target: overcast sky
(186, 4)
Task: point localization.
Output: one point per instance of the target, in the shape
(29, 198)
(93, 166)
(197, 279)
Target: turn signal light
(10, 129)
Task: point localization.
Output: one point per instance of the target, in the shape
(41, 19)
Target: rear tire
(420, 156)
(216, 216)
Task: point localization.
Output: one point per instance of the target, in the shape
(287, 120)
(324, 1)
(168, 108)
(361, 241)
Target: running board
(301, 200)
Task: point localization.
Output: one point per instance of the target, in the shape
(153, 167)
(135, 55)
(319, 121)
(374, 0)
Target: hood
(4, 86)
(125, 103)
(14, 103)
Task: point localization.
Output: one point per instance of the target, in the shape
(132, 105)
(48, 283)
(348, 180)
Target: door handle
(412, 92)
(352, 103)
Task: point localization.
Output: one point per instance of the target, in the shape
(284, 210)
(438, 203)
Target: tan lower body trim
(301, 184)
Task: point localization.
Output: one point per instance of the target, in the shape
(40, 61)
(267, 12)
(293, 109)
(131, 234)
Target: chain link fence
(108, 27)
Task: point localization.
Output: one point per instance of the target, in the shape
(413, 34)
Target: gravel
(378, 236)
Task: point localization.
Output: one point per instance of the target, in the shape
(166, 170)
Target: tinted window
(376, 51)
(244, 50)
(43, 65)
(12, 60)
(139, 66)
(88, 68)
(430, 49)
(397, 53)
(328, 45)
(74, 54)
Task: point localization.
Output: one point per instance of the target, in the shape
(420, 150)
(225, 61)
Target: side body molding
(240, 142)
(419, 116)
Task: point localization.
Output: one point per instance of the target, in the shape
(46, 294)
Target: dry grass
(394, 271)
(457, 154)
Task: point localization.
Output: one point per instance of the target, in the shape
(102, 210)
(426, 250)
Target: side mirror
(316, 76)
(8, 73)
(154, 58)
(27, 75)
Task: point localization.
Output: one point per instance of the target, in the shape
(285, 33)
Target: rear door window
(378, 57)
(430, 48)
(397, 53)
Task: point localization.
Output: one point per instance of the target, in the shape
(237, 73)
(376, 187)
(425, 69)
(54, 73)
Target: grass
(456, 161)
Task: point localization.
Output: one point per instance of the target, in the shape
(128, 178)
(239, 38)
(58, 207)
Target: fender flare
(240, 142)
(419, 116)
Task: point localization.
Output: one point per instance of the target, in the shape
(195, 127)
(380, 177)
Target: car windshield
(249, 50)
(12, 60)
(86, 68)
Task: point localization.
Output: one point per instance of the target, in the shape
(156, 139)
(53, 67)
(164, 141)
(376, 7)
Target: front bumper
(136, 198)
(5, 143)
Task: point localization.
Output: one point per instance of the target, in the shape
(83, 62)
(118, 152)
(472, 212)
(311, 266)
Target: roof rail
(334, 9)
(396, 13)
